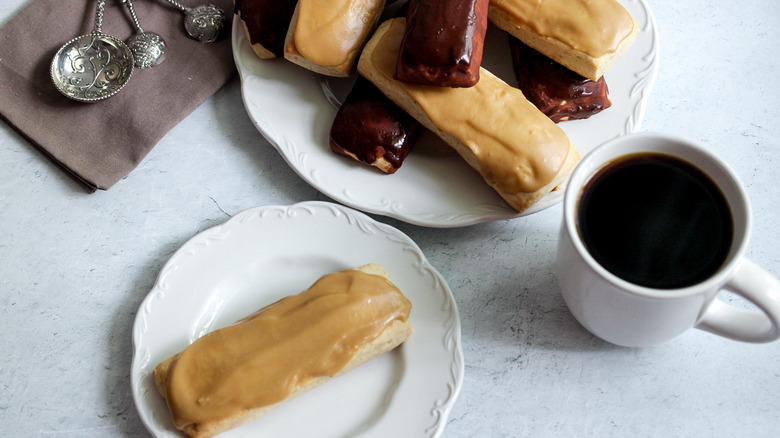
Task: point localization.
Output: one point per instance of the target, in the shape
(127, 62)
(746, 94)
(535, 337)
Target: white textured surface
(74, 267)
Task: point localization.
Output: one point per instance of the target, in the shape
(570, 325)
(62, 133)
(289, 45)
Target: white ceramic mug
(631, 315)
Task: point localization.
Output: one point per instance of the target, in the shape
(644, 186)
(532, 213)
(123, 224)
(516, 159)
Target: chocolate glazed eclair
(558, 92)
(265, 23)
(443, 43)
(371, 129)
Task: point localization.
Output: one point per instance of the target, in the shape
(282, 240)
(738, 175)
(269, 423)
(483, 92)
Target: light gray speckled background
(74, 267)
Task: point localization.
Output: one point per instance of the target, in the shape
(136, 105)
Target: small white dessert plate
(435, 188)
(262, 254)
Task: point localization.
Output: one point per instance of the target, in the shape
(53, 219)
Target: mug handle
(760, 288)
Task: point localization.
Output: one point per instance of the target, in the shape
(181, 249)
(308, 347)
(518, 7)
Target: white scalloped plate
(434, 187)
(265, 253)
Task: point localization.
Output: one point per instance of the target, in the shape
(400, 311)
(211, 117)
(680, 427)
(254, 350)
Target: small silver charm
(205, 23)
(148, 48)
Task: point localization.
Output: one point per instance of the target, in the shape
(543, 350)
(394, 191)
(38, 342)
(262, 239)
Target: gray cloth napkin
(100, 143)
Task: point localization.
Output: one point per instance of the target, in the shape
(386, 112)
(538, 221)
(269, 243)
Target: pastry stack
(422, 68)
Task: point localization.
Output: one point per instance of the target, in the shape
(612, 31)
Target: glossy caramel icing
(261, 359)
(518, 148)
(595, 27)
(329, 32)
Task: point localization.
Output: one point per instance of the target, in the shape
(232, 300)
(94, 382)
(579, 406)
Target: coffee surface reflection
(655, 221)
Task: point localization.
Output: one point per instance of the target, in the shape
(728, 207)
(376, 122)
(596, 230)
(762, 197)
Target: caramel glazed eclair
(586, 36)
(326, 36)
(238, 373)
(518, 150)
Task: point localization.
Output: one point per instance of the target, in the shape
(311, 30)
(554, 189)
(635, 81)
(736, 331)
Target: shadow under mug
(628, 314)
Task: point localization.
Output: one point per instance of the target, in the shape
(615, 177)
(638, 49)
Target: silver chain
(130, 7)
(179, 5)
(101, 8)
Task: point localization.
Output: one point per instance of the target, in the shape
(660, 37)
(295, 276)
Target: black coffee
(655, 221)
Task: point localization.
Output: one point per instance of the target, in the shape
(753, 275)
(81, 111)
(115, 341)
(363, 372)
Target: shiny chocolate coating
(443, 43)
(267, 21)
(370, 126)
(558, 92)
